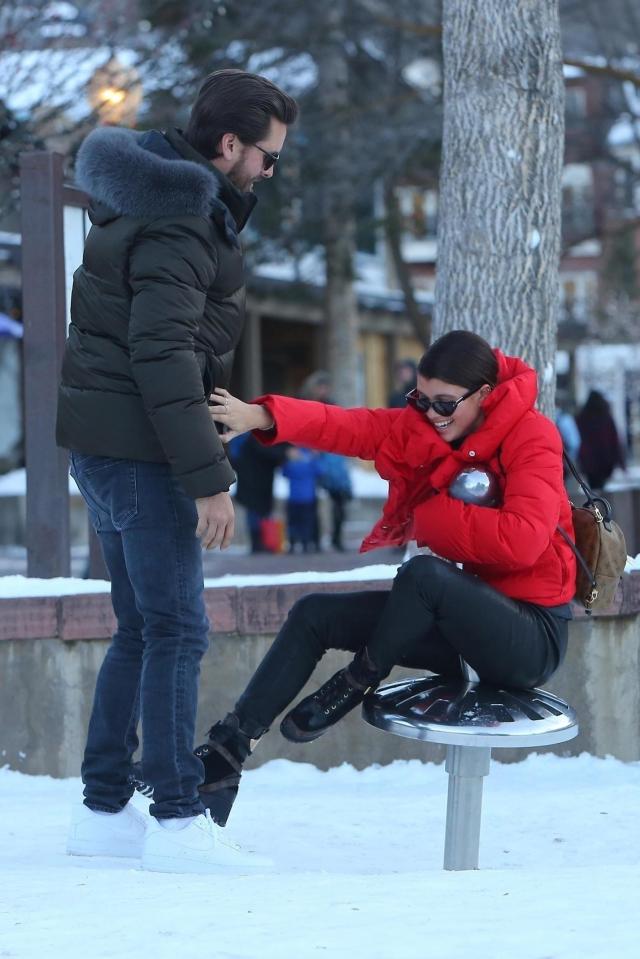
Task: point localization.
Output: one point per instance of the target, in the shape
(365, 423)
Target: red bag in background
(272, 534)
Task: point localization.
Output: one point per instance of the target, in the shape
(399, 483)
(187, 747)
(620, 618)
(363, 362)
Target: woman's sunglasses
(269, 159)
(420, 402)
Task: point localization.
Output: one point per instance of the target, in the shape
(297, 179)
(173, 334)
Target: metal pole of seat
(471, 718)
(467, 766)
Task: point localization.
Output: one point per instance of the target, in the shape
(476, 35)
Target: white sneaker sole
(170, 864)
(89, 847)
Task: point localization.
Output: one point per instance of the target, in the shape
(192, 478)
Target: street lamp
(115, 93)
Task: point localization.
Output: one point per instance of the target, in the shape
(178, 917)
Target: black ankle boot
(223, 756)
(337, 697)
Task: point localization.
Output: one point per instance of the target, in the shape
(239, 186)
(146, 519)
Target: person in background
(157, 310)
(333, 474)
(301, 469)
(567, 426)
(317, 386)
(255, 466)
(568, 429)
(404, 380)
(600, 447)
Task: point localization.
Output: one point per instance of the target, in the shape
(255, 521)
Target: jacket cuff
(217, 478)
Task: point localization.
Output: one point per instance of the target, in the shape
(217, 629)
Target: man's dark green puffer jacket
(157, 307)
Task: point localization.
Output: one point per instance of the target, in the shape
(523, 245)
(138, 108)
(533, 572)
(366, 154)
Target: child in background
(301, 469)
(333, 476)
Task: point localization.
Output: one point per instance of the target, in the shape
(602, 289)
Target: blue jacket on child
(302, 474)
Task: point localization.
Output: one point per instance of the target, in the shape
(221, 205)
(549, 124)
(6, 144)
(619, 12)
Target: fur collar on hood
(116, 167)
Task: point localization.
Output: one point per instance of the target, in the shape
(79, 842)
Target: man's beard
(240, 179)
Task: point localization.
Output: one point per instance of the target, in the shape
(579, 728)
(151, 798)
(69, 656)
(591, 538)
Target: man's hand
(216, 520)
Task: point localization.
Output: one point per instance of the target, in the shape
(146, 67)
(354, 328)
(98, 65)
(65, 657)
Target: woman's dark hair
(462, 358)
(234, 101)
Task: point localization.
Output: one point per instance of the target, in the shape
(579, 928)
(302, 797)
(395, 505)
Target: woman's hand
(237, 416)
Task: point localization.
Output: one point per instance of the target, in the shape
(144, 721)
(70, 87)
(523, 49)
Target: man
(404, 380)
(157, 310)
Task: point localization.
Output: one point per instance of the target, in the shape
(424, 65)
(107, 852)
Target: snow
(14, 483)
(12, 587)
(296, 74)
(15, 587)
(370, 284)
(56, 77)
(357, 870)
(570, 72)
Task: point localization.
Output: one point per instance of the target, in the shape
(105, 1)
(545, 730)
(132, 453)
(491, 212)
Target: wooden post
(43, 291)
(251, 355)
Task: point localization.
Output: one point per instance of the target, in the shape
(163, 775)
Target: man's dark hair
(462, 358)
(234, 101)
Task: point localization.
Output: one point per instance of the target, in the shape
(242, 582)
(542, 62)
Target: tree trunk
(393, 232)
(341, 306)
(500, 199)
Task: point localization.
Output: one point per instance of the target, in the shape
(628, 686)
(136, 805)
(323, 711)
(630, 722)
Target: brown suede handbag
(599, 547)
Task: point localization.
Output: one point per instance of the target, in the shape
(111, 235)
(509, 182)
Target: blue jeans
(146, 526)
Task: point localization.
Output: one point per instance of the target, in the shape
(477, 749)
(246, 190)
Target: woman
(600, 447)
(506, 612)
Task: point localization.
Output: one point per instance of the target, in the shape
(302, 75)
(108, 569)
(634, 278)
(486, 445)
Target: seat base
(471, 719)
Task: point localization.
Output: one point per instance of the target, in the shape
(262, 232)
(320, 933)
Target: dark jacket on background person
(600, 447)
(157, 307)
(255, 465)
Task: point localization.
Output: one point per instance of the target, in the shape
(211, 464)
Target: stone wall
(51, 649)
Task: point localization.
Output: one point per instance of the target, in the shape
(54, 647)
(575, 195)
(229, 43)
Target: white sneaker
(198, 847)
(118, 834)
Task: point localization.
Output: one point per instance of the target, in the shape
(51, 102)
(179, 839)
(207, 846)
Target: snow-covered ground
(357, 871)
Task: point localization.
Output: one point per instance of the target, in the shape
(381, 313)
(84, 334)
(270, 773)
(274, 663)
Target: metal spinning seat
(471, 718)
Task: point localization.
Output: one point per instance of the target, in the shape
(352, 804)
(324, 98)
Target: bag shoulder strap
(601, 505)
(576, 475)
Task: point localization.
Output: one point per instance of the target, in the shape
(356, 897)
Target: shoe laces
(208, 823)
(211, 826)
(336, 682)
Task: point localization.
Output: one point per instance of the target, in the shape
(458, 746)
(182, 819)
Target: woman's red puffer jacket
(515, 547)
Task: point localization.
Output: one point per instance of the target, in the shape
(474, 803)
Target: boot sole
(296, 735)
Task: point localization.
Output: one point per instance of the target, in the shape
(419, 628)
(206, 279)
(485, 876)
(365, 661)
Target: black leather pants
(433, 614)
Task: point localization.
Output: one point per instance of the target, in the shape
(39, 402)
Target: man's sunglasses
(269, 159)
(420, 402)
